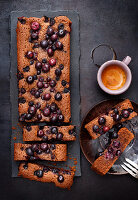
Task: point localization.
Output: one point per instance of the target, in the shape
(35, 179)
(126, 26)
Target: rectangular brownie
(43, 151)
(45, 133)
(43, 55)
(104, 162)
(62, 178)
(119, 113)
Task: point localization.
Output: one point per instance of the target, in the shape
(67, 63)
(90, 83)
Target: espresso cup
(124, 65)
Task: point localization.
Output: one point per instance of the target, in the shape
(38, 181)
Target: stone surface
(109, 21)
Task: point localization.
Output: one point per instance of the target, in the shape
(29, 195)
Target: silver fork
(130, 167)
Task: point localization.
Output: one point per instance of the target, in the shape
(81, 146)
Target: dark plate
(91, 147)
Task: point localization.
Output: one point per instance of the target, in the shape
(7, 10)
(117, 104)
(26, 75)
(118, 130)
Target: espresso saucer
(90, 148)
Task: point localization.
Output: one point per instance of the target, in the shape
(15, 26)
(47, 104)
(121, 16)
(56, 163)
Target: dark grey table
(108, 21)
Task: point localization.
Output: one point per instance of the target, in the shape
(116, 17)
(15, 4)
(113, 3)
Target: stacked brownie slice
(43, 54)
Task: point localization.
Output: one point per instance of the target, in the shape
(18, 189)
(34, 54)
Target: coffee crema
(113, 77)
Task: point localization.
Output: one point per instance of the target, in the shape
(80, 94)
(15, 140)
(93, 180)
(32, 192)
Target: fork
(130, 167)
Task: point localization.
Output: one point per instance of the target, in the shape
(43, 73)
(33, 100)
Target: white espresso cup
(124, 65)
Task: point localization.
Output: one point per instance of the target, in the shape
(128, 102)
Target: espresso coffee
(113, 77)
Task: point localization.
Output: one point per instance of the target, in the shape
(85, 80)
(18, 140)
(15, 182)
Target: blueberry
(47, 96)
(34, 147)
(23, 90)
(34, 36)
(32, 110)
(37, 94)
(60, 178)
(105, 129)
(53, 146)
(54, 130)
(60, 26)
(45, 138)
(59, 45)
(61, 33)
(44, 60)
(40, 133)
(52, 21)
(38, 65)
(44, 146)
(29, 151)
(44, 44)
(96, 128)
(35, 26)
(40, 84)
(118, 126)
(61, 118)
(31, 103)
(118, 153)
(58, 96)
(130, 110)
(59, 136)
(39, 116)
(54, 118)
(116, 117)
(30, 79)
(53, 107)
(116, 111)
(28, 128)
(46, 112)
(52, 83)
(125, 113)
(101, 120)
(114, 135)
(29, 54)
(58, 72)
(28, 116)
(50, 52)
(38, 173)
(61, 66)
(50, 31)
(52, 62)
(64, 83)
(54, 37)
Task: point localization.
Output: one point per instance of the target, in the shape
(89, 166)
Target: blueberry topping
(46, 18)
(44, 60)
(25, 166)
(118, 153)
(59, 136)
(46, 112)
(50, 52)
(38, 173)
(64, 83)
(54, 130)
(30, 79)
(23, 90)
(44, 44)
(34, 147)
(53, 47)
(116, 117)
(40, 133)
(61, 118)
(52, 21)
(35, 26)
(101, 120)
(53, 107)
(44, 146)
(58, 96)
(52, 62)
(36, 45)
(52, 83)
(29, 54)
(59, 45)
(53, 146)
(116, 111)
(54, 37)
(60, 178)
(45, 138)
(47, 96)
(26, 69)
(54, 118)
(37, 94)
(114, 135)
(40, 85)
(96, 128)
(32, 110)
(38, 65)
(61, 33)
(58, 72)
(50, 31)
(28, 116)
(39, 117)
(21, 100)
(34, 36)
(105, 129)
(125, 113)
(28, 128)
(29, 151)
(130, 110)
(61, 66)
(21, 20)
(60, 26)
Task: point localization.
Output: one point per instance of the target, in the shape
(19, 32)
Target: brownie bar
(62, 178)
(119, 113)
(45, 133)
(43, 53)
(43, 151)
(104, 162)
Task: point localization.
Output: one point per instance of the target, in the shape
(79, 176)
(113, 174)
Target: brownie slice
(45, 133)
(43, 53)
(119, 113)
(104, 162)
(43, 151)
(62, 178)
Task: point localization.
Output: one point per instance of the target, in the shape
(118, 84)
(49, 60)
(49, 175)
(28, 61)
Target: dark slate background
(101, 21)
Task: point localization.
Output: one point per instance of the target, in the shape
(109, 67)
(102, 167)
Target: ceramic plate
(90, 147)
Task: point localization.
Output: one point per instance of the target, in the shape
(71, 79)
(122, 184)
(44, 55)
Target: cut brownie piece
(45, 133)
(119, 113)
(43, 53)
(95, 128)
(104, 162)
(43, 151)
(62, 178)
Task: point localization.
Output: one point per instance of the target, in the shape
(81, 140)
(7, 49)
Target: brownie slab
(45, 133)
(62, 178)
(43, 56)
(104, 162)
(43, 151)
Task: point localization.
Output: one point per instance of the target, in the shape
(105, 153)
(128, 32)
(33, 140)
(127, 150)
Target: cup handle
(127, 60)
